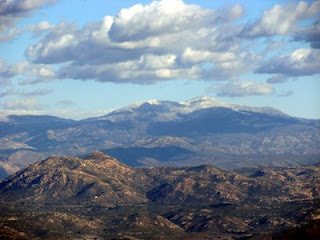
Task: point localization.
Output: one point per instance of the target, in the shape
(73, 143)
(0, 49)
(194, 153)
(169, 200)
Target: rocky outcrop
(101, 179)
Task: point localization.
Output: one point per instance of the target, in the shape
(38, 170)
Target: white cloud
(17, 92)
(311, 34)
(197, 56)
(34, 81)
(21, 104)
(41, 26)
(9, 34)
(12, 11)
(8, 92)
(245, 88)
(44, 72)
(129, 71)
(158, 62)
(236, 12)
(66, 103)
(285, 94)
(39, 73)
(37, 92)
(282, 19)
(133, 47)
(35, 72)
(278, 78)
(6, 71)
(227, 67)
(172, 16)
(301, 62)
(185, 41)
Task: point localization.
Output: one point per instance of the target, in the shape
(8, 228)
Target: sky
(84, 58)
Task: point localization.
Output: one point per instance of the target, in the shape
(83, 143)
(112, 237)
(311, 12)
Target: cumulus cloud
(231, 68)
(301, 62)
(8, 92)
(13, 10)
(185, 41)
(40, 28)
(311, 34)
(37, 92)
(245, 88)
(285, 94)
(9, 35)
(173, 16)
(36, 72)
(133, 47)
(147, 69)
(6, 70)
(22, 104)
(16, 92)
(278, 78)
(66, 103)
(34, 81)
(281, 19)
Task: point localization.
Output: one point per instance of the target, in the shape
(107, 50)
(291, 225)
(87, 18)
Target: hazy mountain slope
(201, 131)
(220, 121)
(32, 125)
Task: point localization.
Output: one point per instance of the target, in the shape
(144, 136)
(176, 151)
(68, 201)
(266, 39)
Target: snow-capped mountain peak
(201, 99)
(202, 102)
(170, 110)
(153, 102)
(131, 107)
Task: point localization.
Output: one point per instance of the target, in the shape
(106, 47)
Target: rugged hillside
(164, 133)
(101, 179)
(207, 185)
(97, 179)
(98, 197)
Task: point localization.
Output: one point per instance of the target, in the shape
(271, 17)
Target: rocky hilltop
(96, 179)
(99, 197)
(165, 133)
(101, 179)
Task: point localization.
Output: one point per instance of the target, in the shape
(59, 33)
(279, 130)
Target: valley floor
(156, 221)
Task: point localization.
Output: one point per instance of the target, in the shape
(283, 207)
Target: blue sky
(81, 58)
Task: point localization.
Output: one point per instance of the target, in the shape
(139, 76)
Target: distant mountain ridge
(186, 107)
(156, 133)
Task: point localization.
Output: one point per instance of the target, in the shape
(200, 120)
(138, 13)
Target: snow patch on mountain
(201, 103)
(169, 110)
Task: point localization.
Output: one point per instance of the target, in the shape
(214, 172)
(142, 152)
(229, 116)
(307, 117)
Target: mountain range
(98, 197)
(165, 133)
(101, 179)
